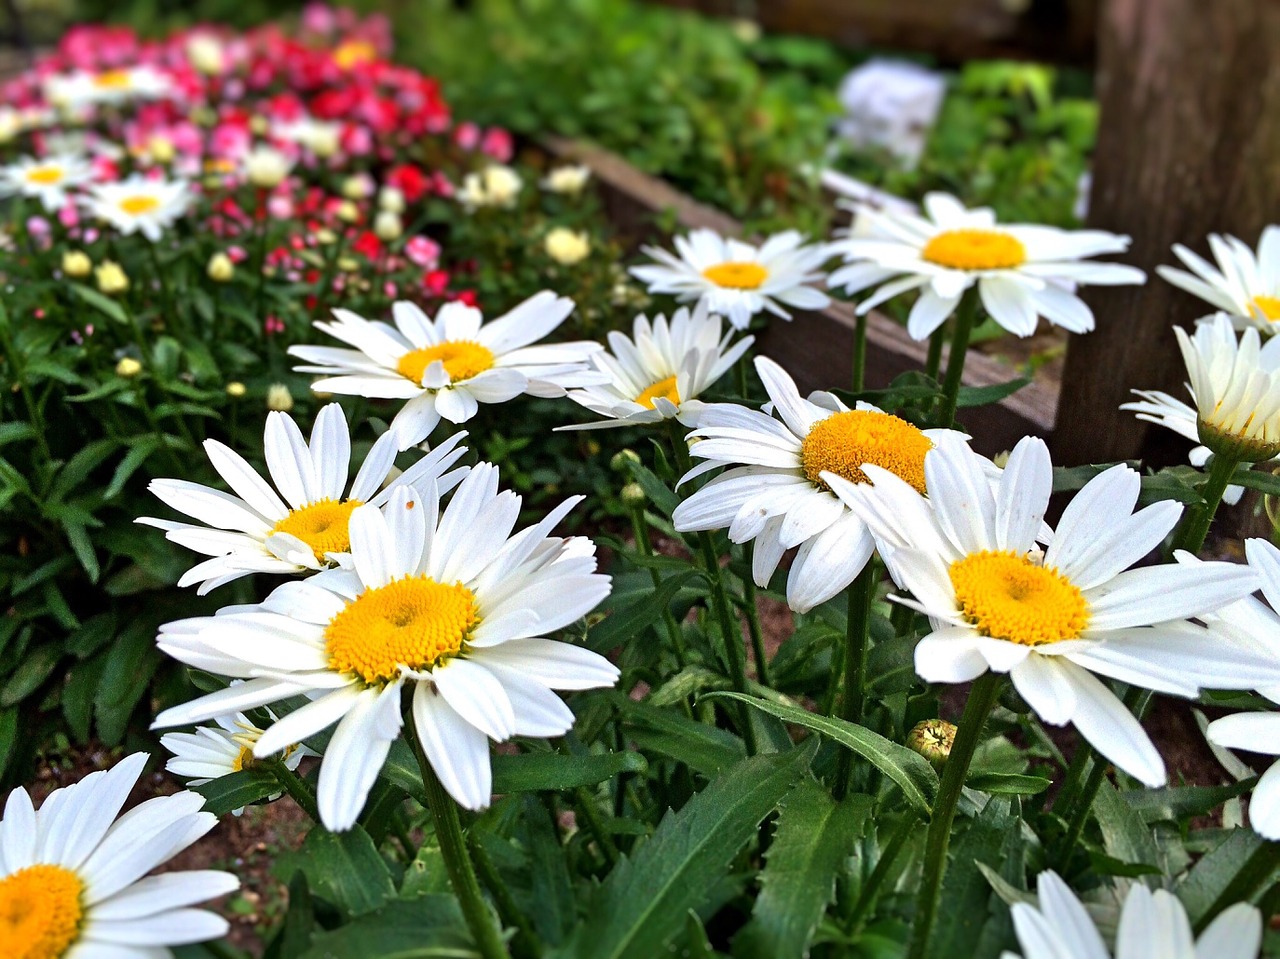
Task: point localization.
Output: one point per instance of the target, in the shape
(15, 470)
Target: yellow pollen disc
(244, 759)
(45, 175)
(663, 388)
(353, 53)
(1268, 306)
(113, 80)
(138, 205)
(842, 442)
(737, 276)
(462, 360)
(322, 525)
(1007, 596)
(40, 912)
(975, 250)
(414, 622)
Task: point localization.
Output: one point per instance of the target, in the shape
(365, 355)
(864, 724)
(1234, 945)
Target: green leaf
(703, 748)
(624, 624)
(813, 836)
(131, 661)
(1124, 835)
(299, 922)
(641, 904)
(8, 736)
(1175, 803)
(1007, 784)
(82, 546)
(1215, 870)
(428, 927)
(137, 455)
(965, 890)
(1260, 480)
(551, 886)
(241, 788)
(660, 495)
(911, 771)
(103, 304)
(80, 466)
(969, 396)
(32, 671)
(344, 868)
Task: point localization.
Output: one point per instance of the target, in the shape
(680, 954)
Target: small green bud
(932, 739)
(621, 461)
(633, 495)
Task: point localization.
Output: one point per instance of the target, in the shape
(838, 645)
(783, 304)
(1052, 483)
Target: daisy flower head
(968, 556)
(446, 367)
(140, 204)
(299, 521)
(72, 874)
(1244, 284)
(448, 603)
(80, 90)
(775, 494)
(1022, 272)
(738, 279)
(659, 372)
(1151, 924)
(46, 180)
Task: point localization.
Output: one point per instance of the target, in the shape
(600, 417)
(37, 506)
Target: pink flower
(423, 252)
(497, 143)
(467, 136)
(280, 207)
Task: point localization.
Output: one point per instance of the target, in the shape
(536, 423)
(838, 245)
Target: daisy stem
(860, 595)
(933, 359)
(1196, 526)
(965, 316)
(299, 790)
(457, 860)
(888, 856)
(525, 942)
(1254, 876)
(753, 617)
(641, 530)
(859, 376)
(982, 698)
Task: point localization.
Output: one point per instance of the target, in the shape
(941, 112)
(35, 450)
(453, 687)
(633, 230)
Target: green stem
(526, 942)
(298, 788)
(1255, 876)
(859, 377)
(965, 316)
(732, 633)
(859, 595)
(586, 805)
(753, 617)
(645, 546)
(982, 698)
(933, 359)
(1196, 526)
(740, 375)
(457, 862)
(884, 865)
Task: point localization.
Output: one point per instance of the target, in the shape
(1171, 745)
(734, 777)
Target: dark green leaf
(32, 671)
(241, 788)
(428, 927)
(1124, 835)
(969, 396)
(102, 304)
(1007, 784)
(1175, 803)
(704, 749)
(1215, 870)
(624, 624)
(344, 868)
(965, 890)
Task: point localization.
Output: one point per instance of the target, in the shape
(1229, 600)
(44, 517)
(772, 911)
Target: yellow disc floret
(354, 53)
(1008, 596)
(113, 80)
(45, 175)
(40, 912)
(737, 275)
(663, 388)
(414, 622)
(842, 442)
(975, 250)
(1268, 307)
(139, 204)
(462, 360)
(322, 525)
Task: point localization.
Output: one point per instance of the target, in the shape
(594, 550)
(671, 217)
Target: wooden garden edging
(816, 346)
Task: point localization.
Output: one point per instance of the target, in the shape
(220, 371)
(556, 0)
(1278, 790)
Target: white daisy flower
(79, 90)
(968, 556)
(660, 373)
(447, 366)
(738, 279)
(1244, 284)
(72, 874)
(210, 753)
(1255, 733)
(777, 496)
(46, 180)
(1156, 406)
(303, 526)
(1022, 271)
(1152, 924)
(451, 604)
(139, 204)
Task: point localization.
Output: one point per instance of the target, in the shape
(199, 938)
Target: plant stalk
(860, 594)
(753, 617)
(1195, 528)
(965, 317)
(298, 788)
(870, 891)
(858, 378)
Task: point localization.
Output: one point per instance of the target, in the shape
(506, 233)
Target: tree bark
(1189, 144)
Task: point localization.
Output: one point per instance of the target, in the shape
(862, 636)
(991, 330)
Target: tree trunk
(1189, 145)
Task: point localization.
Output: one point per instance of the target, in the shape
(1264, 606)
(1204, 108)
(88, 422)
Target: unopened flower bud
(111, 278)
(633, 495)
(621, 461)
(128, 367)
(76, 264)
(220, 268)
(279, 398)
(236, 389)
(932, 739)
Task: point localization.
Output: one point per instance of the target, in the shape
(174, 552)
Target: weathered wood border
(816, 345)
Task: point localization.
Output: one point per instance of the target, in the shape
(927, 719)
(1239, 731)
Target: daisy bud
(279, 398)
(266, 168)
(236, 389)
(932, 739)
(622, 460)
(391, 199)
(111, 278)
(128, 367)
(387, 226)
(76, 264)
(633, 496)
(220, 268)
(567, 247)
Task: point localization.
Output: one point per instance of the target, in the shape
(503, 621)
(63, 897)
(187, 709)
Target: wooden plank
(1053, 31)
(816, 346)
(1189, 145)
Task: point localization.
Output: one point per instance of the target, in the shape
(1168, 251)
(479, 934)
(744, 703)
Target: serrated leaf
(704, 749)
(345, 868)
(241, 788)
(1175, 803)
(965, 890)
(813, 836)
(428, 927)
(642, 903)
(1124, 835)
(911, 771)
(1216, 870)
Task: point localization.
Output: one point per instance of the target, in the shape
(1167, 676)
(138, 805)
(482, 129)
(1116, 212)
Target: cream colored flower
(495, 185)
(566, 246)
(569, 180)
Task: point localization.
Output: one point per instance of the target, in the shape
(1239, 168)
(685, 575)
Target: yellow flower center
(1007, 596)
(737, 276)
(113, 80)
(322, 525)
(462, 360)
(45, 175)
(842, 442)
(414, 622)
(40, 912)
(243, 760)
(663, 388)
(353, 53)
(975, 250)
(138, 205)
(1267, 306)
